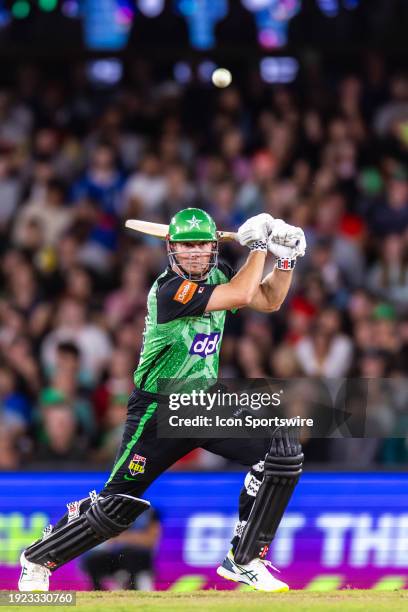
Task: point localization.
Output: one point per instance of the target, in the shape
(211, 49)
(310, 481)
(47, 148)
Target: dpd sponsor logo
(205, 344)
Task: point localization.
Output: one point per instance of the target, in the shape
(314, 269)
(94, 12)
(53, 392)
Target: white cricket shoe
(33, 577)
(255, 574)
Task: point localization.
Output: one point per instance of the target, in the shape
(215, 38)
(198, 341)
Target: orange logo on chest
(185, 292)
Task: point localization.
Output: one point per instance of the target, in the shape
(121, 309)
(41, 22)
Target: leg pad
(103, 519)
(280, 478)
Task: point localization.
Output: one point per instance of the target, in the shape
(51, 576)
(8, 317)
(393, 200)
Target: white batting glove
(256, 229)
(280, 251)
(288, 235)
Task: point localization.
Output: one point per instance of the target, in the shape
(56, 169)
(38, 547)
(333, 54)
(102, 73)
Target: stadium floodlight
(21, 9)
(48, 5)
(278, 69)
(151, 8)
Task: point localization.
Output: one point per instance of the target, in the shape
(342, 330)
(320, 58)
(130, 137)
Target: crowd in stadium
(77, 161)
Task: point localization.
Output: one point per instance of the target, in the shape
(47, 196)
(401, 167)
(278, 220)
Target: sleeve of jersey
(182, 298)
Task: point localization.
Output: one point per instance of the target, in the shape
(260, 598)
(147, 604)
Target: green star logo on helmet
(194, 222)
(192, 225)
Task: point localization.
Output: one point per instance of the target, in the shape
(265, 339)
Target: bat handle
(227, 236)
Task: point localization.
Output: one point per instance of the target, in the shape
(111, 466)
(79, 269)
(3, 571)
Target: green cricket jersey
(180, 340)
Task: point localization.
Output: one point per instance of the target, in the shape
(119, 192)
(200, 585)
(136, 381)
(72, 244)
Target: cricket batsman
(186, 311)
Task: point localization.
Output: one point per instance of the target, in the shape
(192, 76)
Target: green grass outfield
(229, 601)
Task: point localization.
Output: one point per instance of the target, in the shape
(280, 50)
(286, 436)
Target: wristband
(258, 245)
(284, 263)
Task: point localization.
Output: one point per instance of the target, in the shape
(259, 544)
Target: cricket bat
(160, 230)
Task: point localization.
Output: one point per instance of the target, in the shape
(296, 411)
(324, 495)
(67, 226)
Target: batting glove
(255, 231)
(289, 236)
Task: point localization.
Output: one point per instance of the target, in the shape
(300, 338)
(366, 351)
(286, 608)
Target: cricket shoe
(33, 577)
(255, 573)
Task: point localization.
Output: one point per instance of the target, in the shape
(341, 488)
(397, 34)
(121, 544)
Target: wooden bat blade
(160, 230)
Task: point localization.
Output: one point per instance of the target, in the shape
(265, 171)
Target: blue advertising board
(340, 530)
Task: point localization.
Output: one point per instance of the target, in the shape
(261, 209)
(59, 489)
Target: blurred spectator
(396, 108)
(10, 189)
(72, 325)
(20, 356)
(113, 421)
(326, 351)
(15, 409)
(102, 181)
(42, 172)
(79, 284)
(50, 213)
(389, 215)
(284, 363)
(10, 454)
(66, 384)
(16, 120)
(388, 278)
(122, 304)
(118, 382)
(60, 438)
(180, 192)
(147, 187)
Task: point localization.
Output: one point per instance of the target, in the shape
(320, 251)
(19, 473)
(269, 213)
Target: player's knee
(284, 467)
(120, 487)
(111, 515)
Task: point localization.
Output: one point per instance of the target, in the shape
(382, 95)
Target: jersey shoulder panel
(178, 297)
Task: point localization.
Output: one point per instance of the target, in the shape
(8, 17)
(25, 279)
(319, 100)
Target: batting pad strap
(105, 518)
(280, 478)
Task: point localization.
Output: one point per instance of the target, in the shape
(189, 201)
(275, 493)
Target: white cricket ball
(221, 77)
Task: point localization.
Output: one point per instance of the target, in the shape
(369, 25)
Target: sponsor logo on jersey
(205, 344)
(137, 465)
(185, 292)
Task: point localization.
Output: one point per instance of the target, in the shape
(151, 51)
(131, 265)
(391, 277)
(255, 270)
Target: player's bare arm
(241, 289)
(272, 291)
(285, 243)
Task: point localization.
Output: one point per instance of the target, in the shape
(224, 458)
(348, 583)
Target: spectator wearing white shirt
(91, 339)
(49, 212)
(325, 351)
(147, 186)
